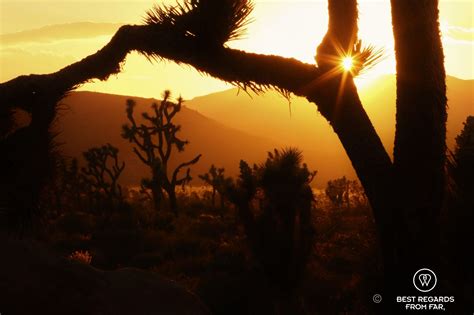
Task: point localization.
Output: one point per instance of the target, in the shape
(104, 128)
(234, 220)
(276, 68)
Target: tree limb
(239, 67)
(179, 167)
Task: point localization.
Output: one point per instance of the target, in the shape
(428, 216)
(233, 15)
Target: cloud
(56, 32)
(14, 62)
(457, 33)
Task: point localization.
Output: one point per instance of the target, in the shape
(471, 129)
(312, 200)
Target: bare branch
(191, 162)
(249, 70)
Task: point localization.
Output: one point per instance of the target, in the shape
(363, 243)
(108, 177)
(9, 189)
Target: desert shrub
(209, 226)
(76, 223)
(118, 246)
(193, 207)
(152, 240)
(164, 222)
(65, 244)
(230, 257)
(81, 256)
(183, 246)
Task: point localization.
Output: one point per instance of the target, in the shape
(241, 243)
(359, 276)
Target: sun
(347, 63)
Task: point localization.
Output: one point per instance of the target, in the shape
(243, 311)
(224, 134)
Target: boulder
(34, 280)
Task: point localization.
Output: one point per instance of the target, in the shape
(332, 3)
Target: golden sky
(289, 28)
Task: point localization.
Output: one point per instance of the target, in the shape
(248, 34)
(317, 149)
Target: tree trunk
(339, 102)
(213, 196)
(173, 200)
(222, 200)
(419, 153)
(157, 195)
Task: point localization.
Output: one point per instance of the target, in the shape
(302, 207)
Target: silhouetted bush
(76, 223)
(274, 202)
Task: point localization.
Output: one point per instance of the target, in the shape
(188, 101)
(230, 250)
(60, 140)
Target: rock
(35, 281)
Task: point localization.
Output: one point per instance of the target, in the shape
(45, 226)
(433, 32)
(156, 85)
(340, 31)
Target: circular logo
(424, 280)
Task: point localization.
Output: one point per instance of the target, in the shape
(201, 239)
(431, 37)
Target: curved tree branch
(239, 67)
(174, 178)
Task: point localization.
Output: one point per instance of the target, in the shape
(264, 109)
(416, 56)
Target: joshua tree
(274, 201)
(102, 173)
(340, 191)
(216, 179)
(406, 194)
(154, 142)
(337, 191)
(67, 184)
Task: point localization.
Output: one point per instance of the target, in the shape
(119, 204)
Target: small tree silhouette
(458, 230)
(154, 144)
(274, 202)
(340, 191)
(337, 191)
(216, 179)
(462, 161)
(68, 184)
(102, 173)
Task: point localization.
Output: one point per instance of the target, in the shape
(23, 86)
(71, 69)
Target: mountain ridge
(227, 127)
(82, 124)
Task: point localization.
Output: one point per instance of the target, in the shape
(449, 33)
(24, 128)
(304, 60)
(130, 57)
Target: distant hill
(299, 124)
(92, 119)
(229, 126)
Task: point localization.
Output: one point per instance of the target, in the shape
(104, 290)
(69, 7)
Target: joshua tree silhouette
(102, 173)
(154, 144)
(216, 179)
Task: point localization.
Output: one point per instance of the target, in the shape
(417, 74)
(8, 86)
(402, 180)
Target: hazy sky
(289, 28)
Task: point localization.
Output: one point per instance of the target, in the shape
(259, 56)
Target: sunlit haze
(291, 29)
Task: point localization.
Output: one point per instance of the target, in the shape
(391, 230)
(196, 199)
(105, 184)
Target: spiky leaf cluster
(213, 22)
(365, 57)
(274, 201)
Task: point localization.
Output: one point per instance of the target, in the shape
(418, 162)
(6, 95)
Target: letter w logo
(424, 279)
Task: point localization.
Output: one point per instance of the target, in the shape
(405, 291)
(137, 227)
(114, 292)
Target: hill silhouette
(299, 124)
(228, 126)
(92, 119)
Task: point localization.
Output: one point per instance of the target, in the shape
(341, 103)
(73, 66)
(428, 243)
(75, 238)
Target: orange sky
(288, 28)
